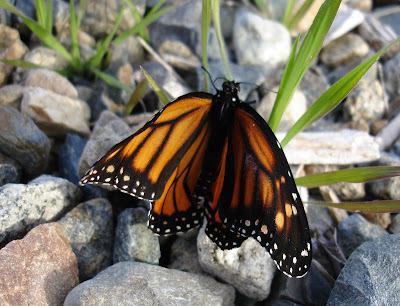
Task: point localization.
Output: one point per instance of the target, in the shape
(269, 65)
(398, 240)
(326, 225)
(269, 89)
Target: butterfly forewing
(259, 198)
(142, 164)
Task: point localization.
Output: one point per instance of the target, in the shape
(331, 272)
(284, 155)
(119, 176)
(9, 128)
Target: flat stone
(55, 114)
(331, 147)
(134, 283)
(51, 80)
(39, 269)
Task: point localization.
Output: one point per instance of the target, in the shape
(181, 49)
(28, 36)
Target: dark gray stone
(355, 230)
(22, 140)
(69, 154)
(133, 240)
(90, 230)
(371, 275)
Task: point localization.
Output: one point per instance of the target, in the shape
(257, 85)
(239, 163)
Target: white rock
(259, 41)
(249, 268)
(331, 147)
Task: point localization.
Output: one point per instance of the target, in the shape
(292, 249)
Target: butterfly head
(231, 88)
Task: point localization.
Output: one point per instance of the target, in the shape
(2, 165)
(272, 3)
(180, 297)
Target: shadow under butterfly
(213, 155)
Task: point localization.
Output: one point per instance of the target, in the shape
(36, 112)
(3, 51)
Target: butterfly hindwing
(142, 164)
(216, 230)
(176, 210)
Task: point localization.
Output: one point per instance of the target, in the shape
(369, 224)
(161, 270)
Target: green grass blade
(49, 16)
(81, 10)
(288, 12)
(136, 96)
(309, 49)
(143, 24)
(96, 59)
(299, 14)
(356, 175)
(161, 95)
(379, 206)
(41, 13)
(205, 24)
(333, 96)
(74, 37)
(40, 31)
(280, 105)
(217, 26)
(22, 64)
(110, 80)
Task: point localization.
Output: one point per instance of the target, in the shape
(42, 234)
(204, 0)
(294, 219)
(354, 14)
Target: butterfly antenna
(209, 76)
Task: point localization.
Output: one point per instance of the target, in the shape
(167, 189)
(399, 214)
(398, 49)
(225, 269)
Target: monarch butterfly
(213, 155)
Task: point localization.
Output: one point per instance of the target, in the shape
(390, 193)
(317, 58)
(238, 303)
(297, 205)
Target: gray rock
(362, 5)
(10, 170)
(22, 140)
(42, 200)
(133, 240)
(108, 131)
(387, 188)
(349, 191)
(391, 76)
(170, 82)
(395, 225)
(344, 50)
(346, 20)
(259, 41)
(355, 230)
(133, 283)
(296, 108)
(248, 268)
(183, 255)
(90, 229)
(365, 103)
(55, 114)
(51, 80)
(11, 95)
(69, 154)
(389, 16)
(378, 35)
(319, 218)
(314, 84)
(340, 71)
(99, 16)
(46, 58)
(371, 275)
